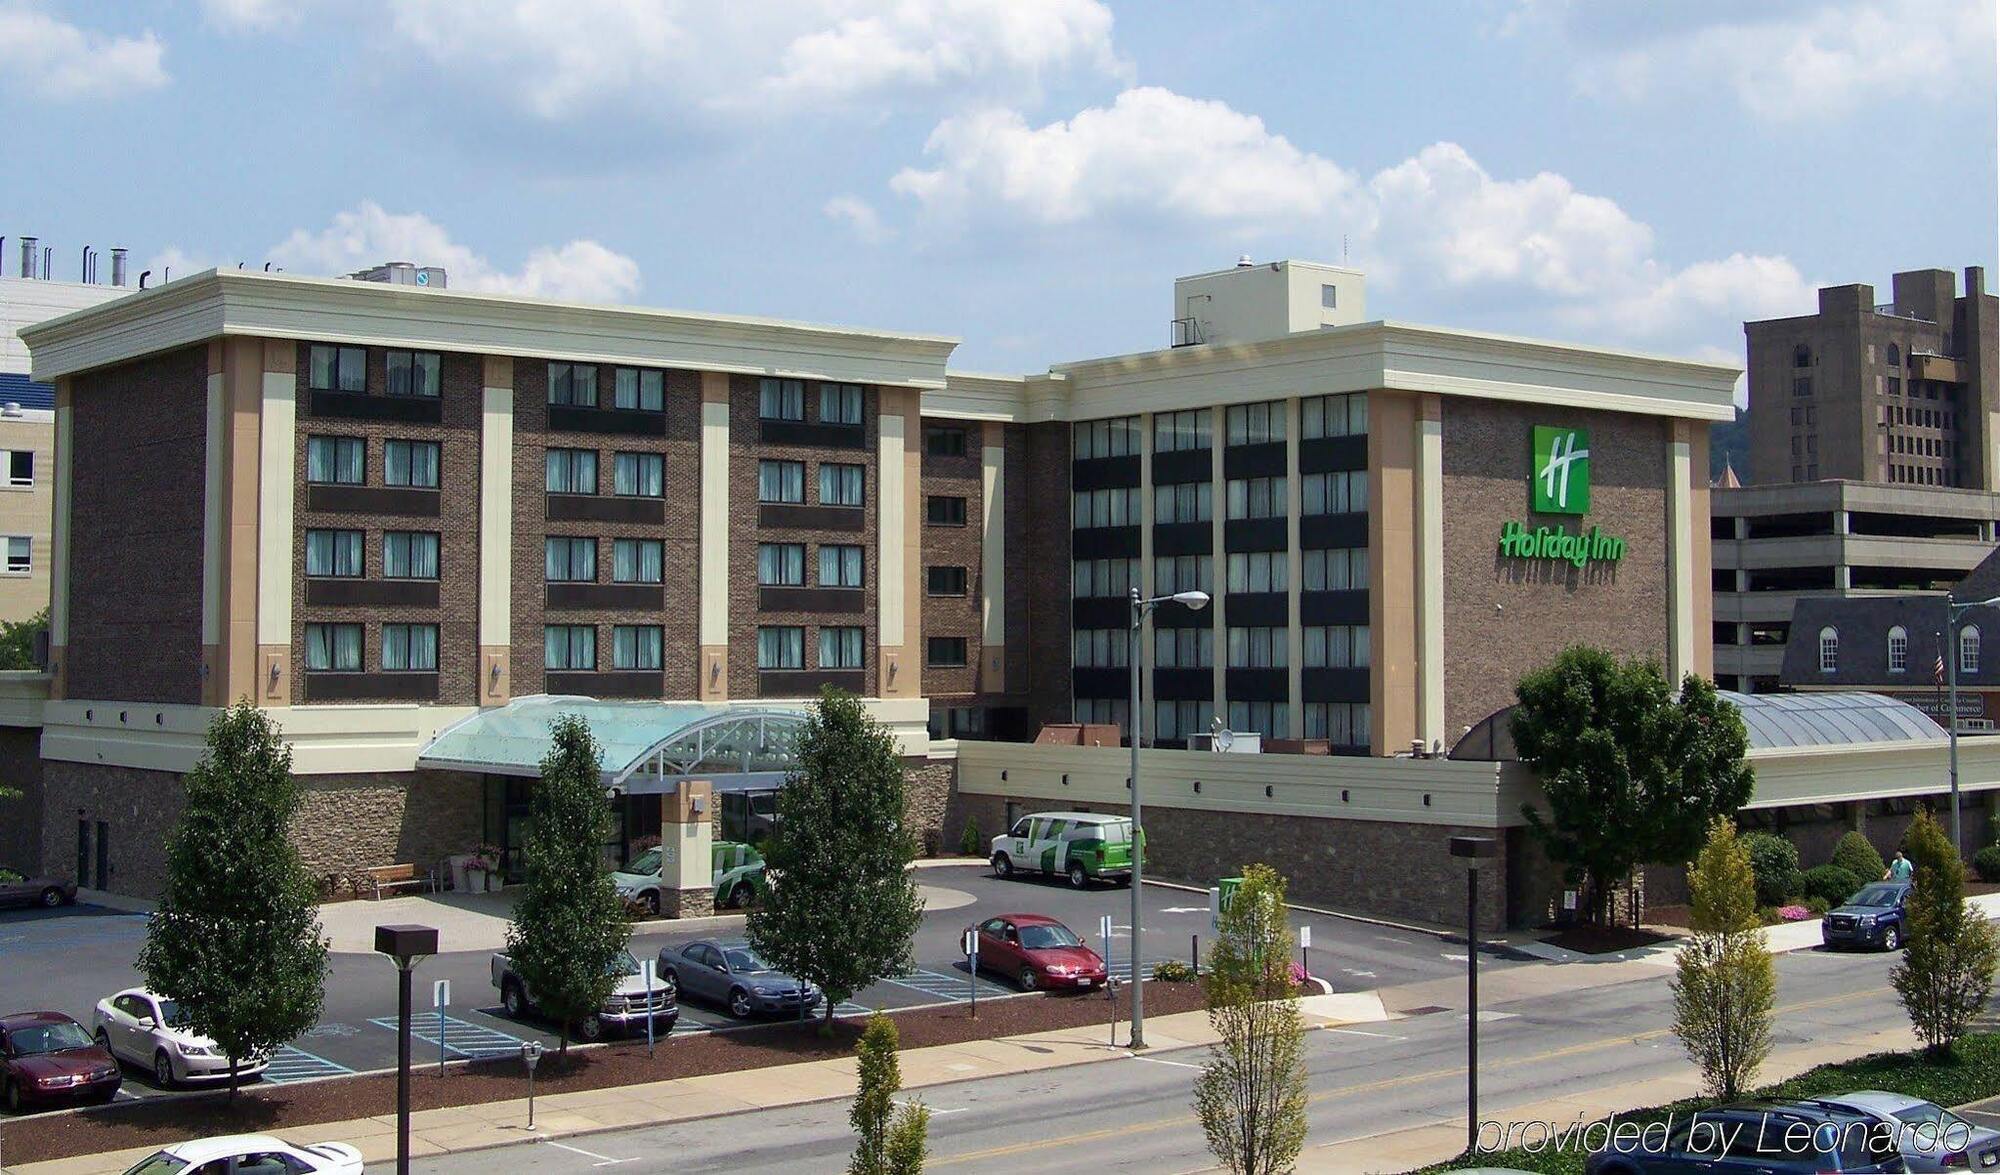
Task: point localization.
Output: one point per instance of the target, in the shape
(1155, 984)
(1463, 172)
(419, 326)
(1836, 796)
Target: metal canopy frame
(761, 743)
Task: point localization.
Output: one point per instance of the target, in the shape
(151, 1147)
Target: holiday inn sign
(1559, 483)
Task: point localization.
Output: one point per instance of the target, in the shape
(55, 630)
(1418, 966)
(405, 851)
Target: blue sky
(1029, 175)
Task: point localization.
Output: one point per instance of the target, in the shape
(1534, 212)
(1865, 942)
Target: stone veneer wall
(139, 807)
(21, 818)
(927, 797)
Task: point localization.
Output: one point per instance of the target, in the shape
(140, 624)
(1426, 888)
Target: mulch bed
(289, 1109)
(1604, 940)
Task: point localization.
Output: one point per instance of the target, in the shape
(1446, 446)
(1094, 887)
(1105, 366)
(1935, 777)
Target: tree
(892, 1139)
(1251, 1096)
(1947, 972)
(841, 907)
(1724, 984)
(1633, 774)
(569, 927)
(235, 941)
(17, 640)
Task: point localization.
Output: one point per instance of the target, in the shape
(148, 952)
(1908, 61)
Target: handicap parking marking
(940, 986)
(459, 1036)
(289, 1064)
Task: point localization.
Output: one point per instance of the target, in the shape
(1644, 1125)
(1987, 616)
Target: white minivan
(1078, 845)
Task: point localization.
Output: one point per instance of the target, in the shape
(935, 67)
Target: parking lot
(66, 960)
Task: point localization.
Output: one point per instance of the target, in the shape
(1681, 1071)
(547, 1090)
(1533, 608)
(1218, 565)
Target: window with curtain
(1106, 710)
(1103, 577)
(839, 566)
(570, 560)
(572, 471)
(410, 463)
(638, 475)
(414, 373)
(781, 647)
(1117, 437)
(338, 369)
(1899, 649)
(571, 647)
(333, 553)
(1344, 724)
(1100, 648)
(638, 390)
(1270, 719)
(781, 399)
(1188, 501)
(636, 560)
(1336, 646)
(20, 554)
(409, 554)
(1258, 571)
(781, 564)
(1184, 648)
(1258, 648)
(840, 403)
(1968, 649)
(336, 460)
(1175, 432)
(1334, 493)
(1093, 508)
(1182, 573)
(410, 648)
(1174, 721)
(1255, 424)
(573, 384)
(839, 484)
(840, 648)
(333, 648)
(1333, 416)
(1257, 497)
(1338, 570)
(781, 481)
(635, 647)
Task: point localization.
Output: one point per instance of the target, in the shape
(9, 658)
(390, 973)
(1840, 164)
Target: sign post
(1104, 936)
(531, 1054)
(971, 947)
(647, 971)
(441, 999)
(1305, 946)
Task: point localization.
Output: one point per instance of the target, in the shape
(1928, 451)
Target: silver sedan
(143, 1029)
(1930, 1137)
(733, 975)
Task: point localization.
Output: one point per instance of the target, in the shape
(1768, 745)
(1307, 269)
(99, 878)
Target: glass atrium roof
(1773, 720)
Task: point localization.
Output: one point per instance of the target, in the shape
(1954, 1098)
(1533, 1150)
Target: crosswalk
(460, 1036)
(289, 1064)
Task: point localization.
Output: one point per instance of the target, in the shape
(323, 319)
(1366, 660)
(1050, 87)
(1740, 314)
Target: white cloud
(50, 58)
(253, 15)
(581, 270)
(860, 217)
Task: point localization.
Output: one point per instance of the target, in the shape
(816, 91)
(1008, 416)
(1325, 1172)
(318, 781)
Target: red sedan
(1036, 951)
(48, 1057)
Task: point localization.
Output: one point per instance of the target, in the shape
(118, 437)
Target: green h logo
(1561, 478)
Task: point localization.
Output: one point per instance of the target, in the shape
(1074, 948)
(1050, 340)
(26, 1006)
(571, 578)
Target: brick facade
(21, 817)
(1044, 574)
(954, 546)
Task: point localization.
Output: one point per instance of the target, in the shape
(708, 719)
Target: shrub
(1173, 971)
(1818, 907)
(1775, 862)
(1795, 913)
(1858, 857)
(970, 843)
(9, 875)
(1986, 862)
(1830, 884)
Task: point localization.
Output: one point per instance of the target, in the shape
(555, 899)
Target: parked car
(1774, 1138)
(1082, 846)
(1930, 1137)
(1035, 950)
(143, 1029)
(250, 1154)
(735, 869)
(47, 892)
(625, 1009)
(735, 976)
(47, 1058)
(1872, 917)
(750, 816)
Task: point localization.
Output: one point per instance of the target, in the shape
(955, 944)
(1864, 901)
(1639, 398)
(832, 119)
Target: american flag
(1937, 670)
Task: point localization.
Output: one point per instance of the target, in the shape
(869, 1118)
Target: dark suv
(1873, 917)
(1775, 1138)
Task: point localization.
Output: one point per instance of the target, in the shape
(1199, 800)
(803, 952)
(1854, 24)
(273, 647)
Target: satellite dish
(1225, 739)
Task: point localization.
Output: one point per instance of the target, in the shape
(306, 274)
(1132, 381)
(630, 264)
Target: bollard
(1111, 990)
(1194, 954)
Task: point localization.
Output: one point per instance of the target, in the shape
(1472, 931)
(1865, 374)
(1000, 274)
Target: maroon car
(47, 1057)
(1036, 951)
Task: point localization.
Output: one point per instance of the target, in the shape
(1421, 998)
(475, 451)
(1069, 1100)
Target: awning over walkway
(648, 746)
(1832, 719)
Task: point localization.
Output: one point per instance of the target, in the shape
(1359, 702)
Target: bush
(1818, 907)
(1986, 863)
(1173, 971)
(1775, 862)
(1830, 884)
(970, 843)
(1858, 857)
(10, 875)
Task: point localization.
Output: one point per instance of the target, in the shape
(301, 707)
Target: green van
(1079, 845)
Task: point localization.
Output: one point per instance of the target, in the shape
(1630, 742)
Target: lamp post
(1474, 850)
(408, 946)
(1195, 600)
(1952, 611)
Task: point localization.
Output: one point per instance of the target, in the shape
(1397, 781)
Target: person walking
(1899, 869)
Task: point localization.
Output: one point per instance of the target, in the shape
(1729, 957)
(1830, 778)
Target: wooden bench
(395, 877)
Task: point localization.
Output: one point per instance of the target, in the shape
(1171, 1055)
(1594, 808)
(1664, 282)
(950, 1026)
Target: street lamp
(1195, 600)
(1952, 611)
(1474, 850)
(408, 946)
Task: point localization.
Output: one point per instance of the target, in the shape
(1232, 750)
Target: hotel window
(1106, 711)
(569, 560)
(945, 581)
(1257, 497)
(333, 553)
(20, 466)
(638, 475)
(1329, 296)
(781, 399)
(781, 647)
(1177, 432)
(944, 440)
(781, 481)
(1338, 570)
(1899, 649)
(1334, 493)
(409, 648)
(413, 373)
(840, 403)
(839, 485)
(1099, 648)
(1258, 648)
(781, 564)
(1113, 507)
(20, 555)
(635, 390)
(1344, 724)
(1257, 571)
(944, 652)
(944, 511)
(635, 647)
(954, 722)
(1337, 646)
(333, 648)
(573, 384)
(572, 471)
(1968, 648)
(1188, 501)
(410, 463)
(1175, 721)
(1829, 650)
(1801, 356)
(336, 460)
(1118, 437)
(569, 646)
(409, 554)
(840, 648)
(636, 560)
(1802, 386)
(1103, 577)
(1895, 356)
(1270, 719)
(839, 566)
(1184, 648)
(1334, 416)
(1182, 573)
(1256, 424)
(338, 369)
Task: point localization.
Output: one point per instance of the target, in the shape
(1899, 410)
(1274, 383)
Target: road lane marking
(1359, 1032)
(603, 1160)
(1163, 1061)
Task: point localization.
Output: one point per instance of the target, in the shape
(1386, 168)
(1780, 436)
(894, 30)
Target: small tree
(1946, 974)
(1251, 1096)
(1633, 774)
(1724, 984)
(569, 928)
(1856, 855)
(235, 941)
(892, 1139)
(17, 640)
(841, 907)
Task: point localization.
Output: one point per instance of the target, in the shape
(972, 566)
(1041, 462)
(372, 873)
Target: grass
(1971, 1073)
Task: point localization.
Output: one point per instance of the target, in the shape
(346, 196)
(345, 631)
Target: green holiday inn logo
(1559, 483)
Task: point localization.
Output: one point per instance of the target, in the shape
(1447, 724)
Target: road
(1132, 1114)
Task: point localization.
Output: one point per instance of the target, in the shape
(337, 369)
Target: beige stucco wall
(27, 511)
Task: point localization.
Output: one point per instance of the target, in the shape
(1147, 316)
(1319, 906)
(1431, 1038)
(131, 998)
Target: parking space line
(289, 1064)
(938, 985)
(468, 1040)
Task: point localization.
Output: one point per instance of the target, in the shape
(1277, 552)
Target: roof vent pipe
(1243, 261)
(143, 275)
(48, 258)
(28, 256)
(117, 267)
